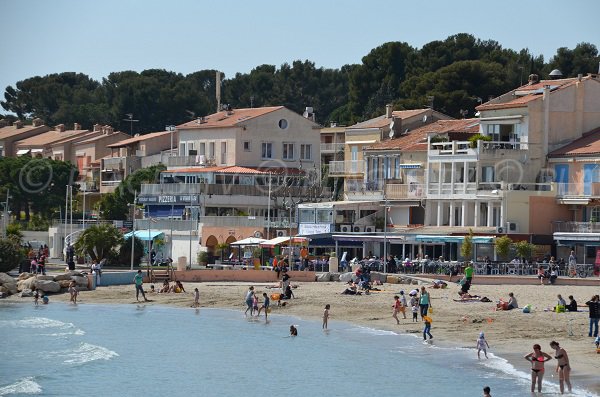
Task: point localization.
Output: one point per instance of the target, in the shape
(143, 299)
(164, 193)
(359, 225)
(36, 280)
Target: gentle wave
(373, 331)
(23, 386)
(36, 322)
(87, 352)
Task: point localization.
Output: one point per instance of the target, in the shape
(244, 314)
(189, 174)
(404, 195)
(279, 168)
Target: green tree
(14, 231)
(11, 254)
(466, 249)
(503, 245)
(124, 257)
(99, 242)
(524, 249)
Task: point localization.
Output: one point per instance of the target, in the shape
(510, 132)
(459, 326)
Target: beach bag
(560, 308)
(527, 309)
(430, 310)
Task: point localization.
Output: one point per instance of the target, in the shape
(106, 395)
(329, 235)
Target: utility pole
(5, 214)
(130, 120)
(133, 231)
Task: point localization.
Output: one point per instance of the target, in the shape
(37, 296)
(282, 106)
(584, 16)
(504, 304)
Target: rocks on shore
(26, 283)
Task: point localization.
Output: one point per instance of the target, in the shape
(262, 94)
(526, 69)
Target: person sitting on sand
(179, 286)
(165, 287)
(511, 304)
(351, 289)
(439, 284)
(572, 306)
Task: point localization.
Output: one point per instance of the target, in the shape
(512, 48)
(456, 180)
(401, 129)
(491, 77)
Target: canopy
(145, 235)
(283, 241)
(453, 239)
(248, 241)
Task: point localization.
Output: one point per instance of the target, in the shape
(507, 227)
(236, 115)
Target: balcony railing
(247, 221)
(348, 167)
(575, 227)
(187, 161)
(170, 188)
(332, 147)
(228, 190)
(578, 189)
(110, 183)
(166, 224)
(113, 163)
(404, 191)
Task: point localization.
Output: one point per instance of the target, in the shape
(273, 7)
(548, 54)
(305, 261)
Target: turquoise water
(148, 350)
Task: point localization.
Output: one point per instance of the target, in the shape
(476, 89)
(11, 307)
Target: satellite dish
(425, 118)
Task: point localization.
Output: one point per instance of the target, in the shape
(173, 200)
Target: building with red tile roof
(10, 134)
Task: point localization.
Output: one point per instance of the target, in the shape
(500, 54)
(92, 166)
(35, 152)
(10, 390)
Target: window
(191, 151)
(306, 215)
(267, 150)
(182, 149)
(283, 124)
(595, 214)
(223, 152)
(202, 149)
(305, 152)
(487, 174)
(247, 146)
(211, 150)
(288, 151)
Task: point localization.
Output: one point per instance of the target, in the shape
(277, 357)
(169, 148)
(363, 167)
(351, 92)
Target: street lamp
(133, 226)
(170, 128)
(385, 217)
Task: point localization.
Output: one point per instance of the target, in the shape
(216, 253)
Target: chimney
(37, 122)
(107, 130)
(579, 77)
(309, 113)
(18, 124)
(97, 128)
(533, 79)
(389, 110)
(60, 128)
(76, 126)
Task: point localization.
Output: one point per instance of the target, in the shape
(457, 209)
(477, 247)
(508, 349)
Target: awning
(360, 142)
(283, 241)
(37, 150)
(453, 239)
(145, 235)
(409, 166)
(592, 239)
(21, 152)
(390, 238)
(248, 241)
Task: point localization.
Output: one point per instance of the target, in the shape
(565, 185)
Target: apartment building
(56, 144)
(10, 134)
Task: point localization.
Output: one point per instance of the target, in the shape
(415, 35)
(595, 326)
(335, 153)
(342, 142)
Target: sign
(170, 199)
(128, 224)
(306, 229)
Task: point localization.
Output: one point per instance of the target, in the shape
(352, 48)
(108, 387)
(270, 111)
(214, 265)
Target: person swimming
(293, 331)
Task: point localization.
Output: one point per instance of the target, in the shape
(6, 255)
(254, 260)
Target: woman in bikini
(563, 368)
(537, 359)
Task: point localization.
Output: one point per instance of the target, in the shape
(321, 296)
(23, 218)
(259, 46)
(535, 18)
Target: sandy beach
(510, 334)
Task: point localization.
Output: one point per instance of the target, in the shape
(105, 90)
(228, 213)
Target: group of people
(167, 287)
(252, 303)
(37, 264)
(537, 358)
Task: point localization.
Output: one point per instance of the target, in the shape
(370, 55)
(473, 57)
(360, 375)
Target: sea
(152, 350)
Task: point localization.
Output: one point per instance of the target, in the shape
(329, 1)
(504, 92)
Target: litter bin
(181, 263)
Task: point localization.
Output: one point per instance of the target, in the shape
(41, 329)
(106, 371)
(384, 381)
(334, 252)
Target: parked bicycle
(581, 271)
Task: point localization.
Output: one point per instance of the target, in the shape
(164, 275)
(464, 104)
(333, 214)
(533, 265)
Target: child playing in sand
(196, 298)
(415, 308)
(482, 345)
(326, 315)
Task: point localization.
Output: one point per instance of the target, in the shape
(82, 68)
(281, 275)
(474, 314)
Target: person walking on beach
(537, 358)
(427, 329)
(594, 305)
(414, 305)
(396, 308)
(424, 302)
(326, 315)
(139, 281)
(265, 305)
(562, 367)
(196, 298)
(469, 272)
(249, 298)
(482, 344)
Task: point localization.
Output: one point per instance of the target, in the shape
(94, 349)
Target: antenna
(131, 121)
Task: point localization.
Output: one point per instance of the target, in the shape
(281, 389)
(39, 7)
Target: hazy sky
(96, 37)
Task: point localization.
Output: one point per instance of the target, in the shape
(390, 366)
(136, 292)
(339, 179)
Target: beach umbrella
(413, 292)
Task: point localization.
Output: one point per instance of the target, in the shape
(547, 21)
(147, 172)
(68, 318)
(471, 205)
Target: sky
(97, 37)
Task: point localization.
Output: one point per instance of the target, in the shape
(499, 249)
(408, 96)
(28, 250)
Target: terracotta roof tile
(52, 137)
(11, 130)
(139, 138)
(231, 169)
(587, 145)
(228, 119)
(96, 138)
(417, 139)
(382, 121)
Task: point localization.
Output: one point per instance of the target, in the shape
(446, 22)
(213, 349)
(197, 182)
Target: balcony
(166, 224)
(190, 161)
(229, 190)
(578, 190)
(405, 191)
(332, 147)
(458, 188)
(361, 190)
(347, 167)
(170, 188)
(113, 163)
(575, 227)
(247, 221)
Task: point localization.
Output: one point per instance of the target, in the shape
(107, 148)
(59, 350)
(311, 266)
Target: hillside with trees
(452, 75)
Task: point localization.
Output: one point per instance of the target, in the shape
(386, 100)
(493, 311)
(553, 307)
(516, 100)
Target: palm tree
(99, 242)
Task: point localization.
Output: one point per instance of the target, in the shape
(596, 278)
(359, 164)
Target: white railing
(170, 188)
(332, 147)
(575, 227)
(578, 189)
(348, 167)
(109, 183)
(247, 221)
(113, 163)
